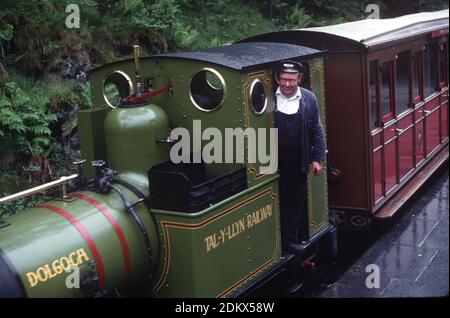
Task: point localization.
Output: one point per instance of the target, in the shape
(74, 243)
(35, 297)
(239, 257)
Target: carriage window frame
(391, 89)
(431, 74)
(108, 79)
(399, 107)
(208, 83)
(417, 76)
(443, 65)
(374, 88)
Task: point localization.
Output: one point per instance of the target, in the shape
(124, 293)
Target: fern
(299, 18)
(24, 120)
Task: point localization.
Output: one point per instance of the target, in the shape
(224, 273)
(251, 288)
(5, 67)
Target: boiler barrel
(89, 230)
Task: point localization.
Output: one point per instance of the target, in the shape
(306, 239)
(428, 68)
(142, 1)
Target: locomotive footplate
(275, 273)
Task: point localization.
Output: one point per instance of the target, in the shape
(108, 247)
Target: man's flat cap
(290, 67)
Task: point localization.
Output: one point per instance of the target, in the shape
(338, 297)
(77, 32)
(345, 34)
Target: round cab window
(207, 90)
(258, 97)
(116, 86)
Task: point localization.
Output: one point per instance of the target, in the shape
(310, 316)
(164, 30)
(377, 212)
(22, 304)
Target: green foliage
(85, 94)
(33, 35)
(36, 37)
(24, 121)
(310, 13)
(298, 18)
(212, 23)
(6, 33)
(27, 153)
(21, 204)
(112, 94)
(25, 138)
(2, 78)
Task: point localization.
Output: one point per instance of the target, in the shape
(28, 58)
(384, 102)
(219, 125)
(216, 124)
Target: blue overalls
(292, 177)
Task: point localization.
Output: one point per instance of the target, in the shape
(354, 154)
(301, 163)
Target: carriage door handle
(426, 112)
(398, 130)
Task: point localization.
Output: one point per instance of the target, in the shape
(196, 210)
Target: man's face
(288, 83)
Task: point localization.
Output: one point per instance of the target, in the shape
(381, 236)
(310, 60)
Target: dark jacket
(312, 134)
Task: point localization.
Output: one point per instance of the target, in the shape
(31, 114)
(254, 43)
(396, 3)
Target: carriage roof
(370, 32)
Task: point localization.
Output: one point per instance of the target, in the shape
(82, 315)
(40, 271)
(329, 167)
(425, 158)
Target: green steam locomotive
(132, 222)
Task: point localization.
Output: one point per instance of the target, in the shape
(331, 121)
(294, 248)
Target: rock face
(74, 65)
(74, 69)
(65, 131)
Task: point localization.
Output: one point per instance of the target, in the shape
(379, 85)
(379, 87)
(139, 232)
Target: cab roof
(240, 56)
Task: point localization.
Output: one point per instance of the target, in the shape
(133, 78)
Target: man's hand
(317, 168)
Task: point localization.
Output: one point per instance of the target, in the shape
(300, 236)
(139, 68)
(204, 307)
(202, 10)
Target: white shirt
(290, 105)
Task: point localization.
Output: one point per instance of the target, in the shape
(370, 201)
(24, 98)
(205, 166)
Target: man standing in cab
(301, 145)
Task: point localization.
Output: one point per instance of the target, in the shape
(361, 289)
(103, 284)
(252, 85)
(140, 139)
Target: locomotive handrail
(45, 186)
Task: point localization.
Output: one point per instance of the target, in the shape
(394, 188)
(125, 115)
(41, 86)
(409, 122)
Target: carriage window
(386, 91)
(402, 84)
(116, 86)
(443, 66)
(431, 67)
(207, 90)
(373, 94)
(258, 97)
(417, 91)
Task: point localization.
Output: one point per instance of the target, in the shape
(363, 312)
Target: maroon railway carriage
(387, 107)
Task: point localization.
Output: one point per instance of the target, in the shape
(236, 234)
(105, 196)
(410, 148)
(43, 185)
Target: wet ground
(406, 257)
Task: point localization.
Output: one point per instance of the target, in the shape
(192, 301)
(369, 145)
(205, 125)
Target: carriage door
(417, 86)
(431, 90)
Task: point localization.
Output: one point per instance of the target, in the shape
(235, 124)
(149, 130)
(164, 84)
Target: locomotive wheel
(358, 222)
